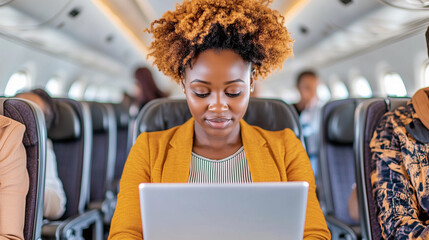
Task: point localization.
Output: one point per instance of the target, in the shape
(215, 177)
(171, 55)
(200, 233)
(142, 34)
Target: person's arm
(13, 182)
(298, 168)
(54, 204)
(126, 222)
(397, 206)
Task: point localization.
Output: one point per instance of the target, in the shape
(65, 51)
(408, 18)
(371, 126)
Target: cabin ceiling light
(346, 2)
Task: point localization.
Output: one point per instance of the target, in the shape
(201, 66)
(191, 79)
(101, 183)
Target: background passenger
(215, 50)
(55, 198)
(308, 109)
(400, 180)
(147, 89)
(13, 179)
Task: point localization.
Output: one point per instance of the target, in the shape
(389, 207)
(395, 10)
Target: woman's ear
(252, 79)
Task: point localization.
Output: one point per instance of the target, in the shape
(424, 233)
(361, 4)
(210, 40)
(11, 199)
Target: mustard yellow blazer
(165, 157)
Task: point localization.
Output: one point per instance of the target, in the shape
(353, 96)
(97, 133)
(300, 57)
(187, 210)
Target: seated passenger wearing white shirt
(55, 198)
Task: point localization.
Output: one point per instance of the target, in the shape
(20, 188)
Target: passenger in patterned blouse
(400, 149)
(215, 49)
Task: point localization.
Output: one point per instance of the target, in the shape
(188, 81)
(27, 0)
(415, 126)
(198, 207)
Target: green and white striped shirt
(232, 169)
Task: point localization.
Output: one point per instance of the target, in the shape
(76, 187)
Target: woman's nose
(218, 107)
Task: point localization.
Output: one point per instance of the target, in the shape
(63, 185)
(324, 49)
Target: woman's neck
(216, 147)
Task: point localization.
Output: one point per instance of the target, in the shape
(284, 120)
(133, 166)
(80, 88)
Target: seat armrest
(72, 227)
(106, 207)
(340, 230)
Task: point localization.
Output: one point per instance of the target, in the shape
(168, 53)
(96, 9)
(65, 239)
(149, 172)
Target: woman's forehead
(220, 64)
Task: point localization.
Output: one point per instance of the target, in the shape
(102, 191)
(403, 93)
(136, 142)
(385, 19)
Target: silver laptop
(257, 211)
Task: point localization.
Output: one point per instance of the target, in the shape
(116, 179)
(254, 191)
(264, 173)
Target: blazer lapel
(262, 165)
(178, 159)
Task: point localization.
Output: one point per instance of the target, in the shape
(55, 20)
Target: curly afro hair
(248, 27)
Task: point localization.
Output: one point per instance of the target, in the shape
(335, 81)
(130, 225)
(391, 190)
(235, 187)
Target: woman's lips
(218, 122)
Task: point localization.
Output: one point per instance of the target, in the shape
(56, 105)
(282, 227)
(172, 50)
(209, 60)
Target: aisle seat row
(85, 141)
(92, 139)
(347, 127)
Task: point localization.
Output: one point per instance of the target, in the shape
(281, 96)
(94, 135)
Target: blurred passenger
(13, 179)
(55, 198)
(308, 109)
(147, 89)
(129, 102)
(216, 61)
(400, 154)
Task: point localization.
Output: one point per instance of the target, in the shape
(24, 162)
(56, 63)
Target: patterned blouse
(400, 180)
(232, 169)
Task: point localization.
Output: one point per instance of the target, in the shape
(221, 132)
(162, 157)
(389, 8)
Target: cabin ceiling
(108, 34)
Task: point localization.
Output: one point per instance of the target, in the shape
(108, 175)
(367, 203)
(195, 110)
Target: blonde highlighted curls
(248, 27)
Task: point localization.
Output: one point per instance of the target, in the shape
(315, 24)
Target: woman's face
(217, 89)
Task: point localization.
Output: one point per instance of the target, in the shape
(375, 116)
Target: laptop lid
(256, 211)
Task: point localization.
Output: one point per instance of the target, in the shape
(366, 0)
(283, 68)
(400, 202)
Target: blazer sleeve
(298, 168)
(126, 222)
(13, 182)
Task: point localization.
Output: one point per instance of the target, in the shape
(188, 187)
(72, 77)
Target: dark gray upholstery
(70, 127)
(336, 162)
(103, 158)
(100, 141)
(269, 114)
(368, 116)
(34, 142)
(340, 123)
(122, 123)
(69, 151)
(73, 155)
(336, 157)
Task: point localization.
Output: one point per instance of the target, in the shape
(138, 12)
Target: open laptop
(257, 211)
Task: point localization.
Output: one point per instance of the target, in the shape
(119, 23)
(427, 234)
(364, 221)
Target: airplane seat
(122, 122)
(336, 166)
(34, 141)
(368, 115)
(103, 158)
(71, 138)
(164, 113)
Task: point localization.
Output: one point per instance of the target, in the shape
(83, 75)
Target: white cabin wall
(403, 57)
(42, 66)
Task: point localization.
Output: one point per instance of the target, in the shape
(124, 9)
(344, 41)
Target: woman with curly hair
(216, 49)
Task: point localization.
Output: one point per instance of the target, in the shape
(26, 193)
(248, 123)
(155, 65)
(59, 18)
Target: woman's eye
(233, 94)
(201, 95)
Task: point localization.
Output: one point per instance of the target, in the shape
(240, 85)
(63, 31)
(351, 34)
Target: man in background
(308, 109)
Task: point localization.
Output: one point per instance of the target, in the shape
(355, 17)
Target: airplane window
(361, 87)
(394, 85)
(77, 90)
(109, 94)
(91, 93)
(339, 90)
(323, 92)
(54, 86)
(18, 81)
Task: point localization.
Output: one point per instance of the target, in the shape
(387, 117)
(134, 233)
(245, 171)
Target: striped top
(232, 169)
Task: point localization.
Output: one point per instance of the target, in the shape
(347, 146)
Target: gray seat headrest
(99, 116)
(340, 126)
(68, 126)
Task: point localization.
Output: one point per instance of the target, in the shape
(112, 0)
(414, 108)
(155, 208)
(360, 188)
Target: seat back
(122, 123)
(103, 149)
(368, 115)
(34, 141)
(336, 158)
(164, 113)
(71, 138)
